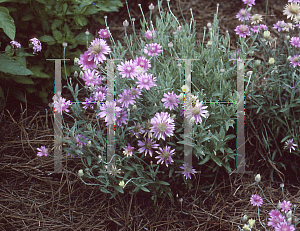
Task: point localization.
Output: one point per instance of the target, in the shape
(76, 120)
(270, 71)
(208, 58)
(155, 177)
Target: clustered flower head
(36, 44)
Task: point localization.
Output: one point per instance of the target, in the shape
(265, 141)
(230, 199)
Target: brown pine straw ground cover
(31, 199)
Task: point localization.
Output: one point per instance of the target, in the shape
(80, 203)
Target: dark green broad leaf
(38, 73)
(7, 23)
(9, 65)
(22, 79)
(47, 39)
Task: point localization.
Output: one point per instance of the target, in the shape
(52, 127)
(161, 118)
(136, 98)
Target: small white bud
(170, 44)
(245, 218)
(209, 43)
(134, 108)
(121, 183)
(76, 61)
(192, 120)
(289, 214)
(208, 24)
(125, 23)
(75, 74)
(179, 29)
(80, 172)
(222, 70)
(287, 37)
(65, 44)
(133, 19)
(87, 32)
(105, 16)
(249, 9)
(81, 74)
(89, 144)
(257, 178)
(151, 6)
(282, 185)
(155, 105)
(249, 73)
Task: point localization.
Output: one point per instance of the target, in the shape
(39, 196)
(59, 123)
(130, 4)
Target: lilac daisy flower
(152, 49)
(89, 102)
(90, 77)
(295, 41)
(294, 61)
(197, 111)
(143, 62)
(242, 30)
(163, 125)
(36, 44)
(43, 151)
(279, 25)
(84, 62)
(165, 155)
(135, 92)
(137, 130)
(99, 96)
(285, 206)
(289, 144)
(150, 34)
(284, 226)
(126, 98)
(128, 150)
(188, 170)
(15, 44)
(171, 100)
(275, 219)
(249, 2)
(145, 81)
(256, 200)
(122, 118)
(127, 69)
(109, 111)
(255, 29)
(103, 33)
(243, 15)
(97, 50)
(147, 146)
(60, 104)
(263, 26)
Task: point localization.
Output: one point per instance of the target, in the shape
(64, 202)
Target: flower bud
(266, 34)
(209, 44)
(181, 97)
(257, 63)
(249, 9)
(179, 29)
(155, 105)
(65, 44)
(89, 144)
(173, 116)
(249, 73)
(133, 19)
(271, 61)
(287, 37)
(125, 23)
(245, 218)
(257, 178)
(209, 24)
(76, 61)
(151, 6)
(192, 120)
(134, 108)
(170, 44)
(289, 214)
(80, 172)
(289, 220)
(81, 74)
(121, 183)
(282, 24)
(281, 185)
(75, 74)
(87, 32)
(222, 70)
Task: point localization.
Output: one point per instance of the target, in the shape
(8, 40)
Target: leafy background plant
(52, 22)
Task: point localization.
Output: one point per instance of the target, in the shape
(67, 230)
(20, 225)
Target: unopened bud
(80, 172)
(245, 218)
(209, 24)
(266, 34)
(170, 44)
(209, 44)
(287, 37)
(155, 105)
(87, 32)
(179, 29)
(125, 23)
(134, 108)
(151, 6)
(65, 44)
(271, 61)
(257, 178)
(249, 73)
(121, 183)
(81, 74)
(181, 97)
(75, 74)
(89, 144)
(282, 185)
(76, 61)
(222, 70)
